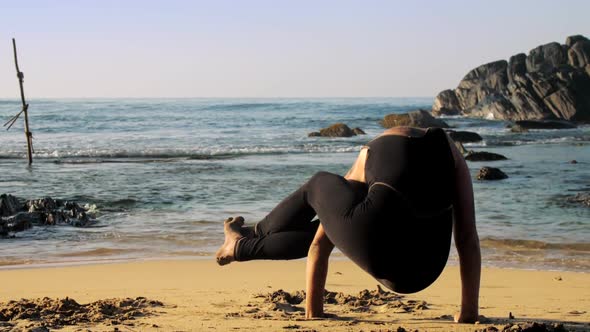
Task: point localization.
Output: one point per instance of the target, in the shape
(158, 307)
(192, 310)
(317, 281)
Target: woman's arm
(466, 240)
(317, 270)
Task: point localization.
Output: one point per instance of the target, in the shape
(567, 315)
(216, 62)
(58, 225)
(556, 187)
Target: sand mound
(527, 327)
(283, 303)
(57, 313)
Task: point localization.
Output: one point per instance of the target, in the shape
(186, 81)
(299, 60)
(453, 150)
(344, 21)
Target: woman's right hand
(317, 271)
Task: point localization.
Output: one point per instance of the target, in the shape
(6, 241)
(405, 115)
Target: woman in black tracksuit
(407, 188)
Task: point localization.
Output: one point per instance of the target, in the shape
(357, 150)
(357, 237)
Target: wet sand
(267, 296)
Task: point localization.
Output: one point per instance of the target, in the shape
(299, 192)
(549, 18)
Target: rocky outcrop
(491, 173)
(551, 82)
(337, 130)
(418, 118)
(17, 217)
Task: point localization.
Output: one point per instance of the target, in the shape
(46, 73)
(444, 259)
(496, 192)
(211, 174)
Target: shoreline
(336, 257)
(197, 294)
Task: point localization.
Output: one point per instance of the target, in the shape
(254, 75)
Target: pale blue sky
(268, 48)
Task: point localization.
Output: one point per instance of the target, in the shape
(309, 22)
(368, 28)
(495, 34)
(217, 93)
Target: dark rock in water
(9, 205)
(464, 136)
(418, 118)
(491, 173)
(551, 82)
(543, 124)
(581, 198)
(45, 211)
(358, 131)
(484, 156)
(336, 130)
(17, 223)
(518, 129)
(573, 161)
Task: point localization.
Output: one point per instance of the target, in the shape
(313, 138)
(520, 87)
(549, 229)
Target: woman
(408, 188)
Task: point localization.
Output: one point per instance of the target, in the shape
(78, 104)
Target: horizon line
(219, 97)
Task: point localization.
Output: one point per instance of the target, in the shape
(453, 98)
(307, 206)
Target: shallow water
(165, 173)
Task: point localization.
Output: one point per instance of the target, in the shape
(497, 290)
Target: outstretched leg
(231, 228)
(287, 231)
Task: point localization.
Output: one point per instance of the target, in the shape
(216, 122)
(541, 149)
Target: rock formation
(17, 215)
(484, 156)
(491, 173)
(551, 82)
(337, 130)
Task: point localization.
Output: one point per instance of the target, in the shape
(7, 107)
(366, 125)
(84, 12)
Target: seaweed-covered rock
(418, 118)
(491, 173)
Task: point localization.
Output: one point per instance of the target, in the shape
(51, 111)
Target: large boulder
(551, 82)
(337, 130)
(484, 156)
(418, 118)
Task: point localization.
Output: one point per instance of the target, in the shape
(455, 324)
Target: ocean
(165, 173)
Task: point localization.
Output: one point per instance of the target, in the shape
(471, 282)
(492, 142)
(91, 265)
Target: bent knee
(322, 177)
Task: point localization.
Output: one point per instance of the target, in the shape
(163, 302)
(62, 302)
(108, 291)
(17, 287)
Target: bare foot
(231, 228)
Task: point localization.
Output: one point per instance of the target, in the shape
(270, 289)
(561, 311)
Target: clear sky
(275, 48)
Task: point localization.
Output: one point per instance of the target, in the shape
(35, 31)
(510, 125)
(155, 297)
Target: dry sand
(198, 295)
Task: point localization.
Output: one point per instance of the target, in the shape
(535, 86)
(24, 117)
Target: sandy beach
(198, 295)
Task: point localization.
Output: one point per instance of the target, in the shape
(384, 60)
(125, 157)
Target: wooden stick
(12, 120)
(20, 76)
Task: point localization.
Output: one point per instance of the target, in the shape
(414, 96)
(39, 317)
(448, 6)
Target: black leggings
(372, 226)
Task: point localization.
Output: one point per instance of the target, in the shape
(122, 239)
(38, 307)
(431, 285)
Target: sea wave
(106, 155)
(521, 244)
